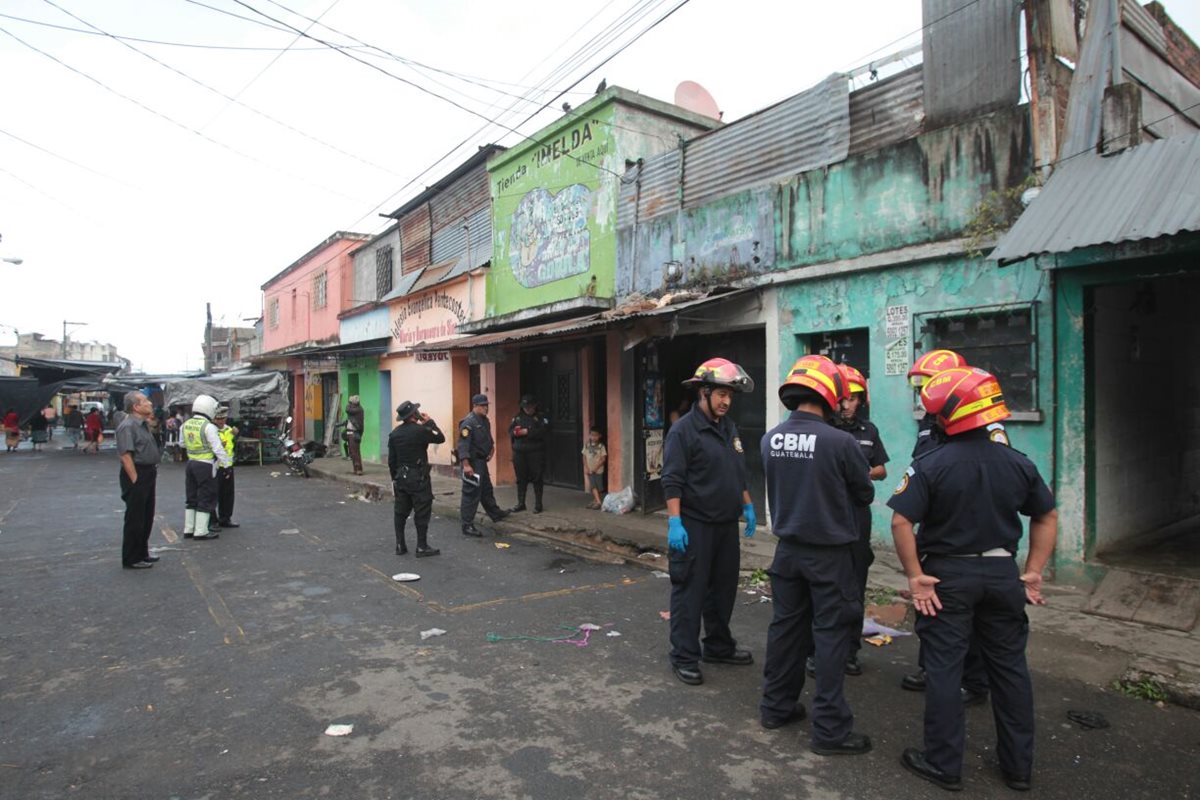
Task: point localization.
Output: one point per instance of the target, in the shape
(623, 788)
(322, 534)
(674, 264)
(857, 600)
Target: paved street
(215, 674)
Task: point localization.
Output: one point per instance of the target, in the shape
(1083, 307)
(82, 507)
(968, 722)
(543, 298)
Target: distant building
(231, 348)
(35, 345)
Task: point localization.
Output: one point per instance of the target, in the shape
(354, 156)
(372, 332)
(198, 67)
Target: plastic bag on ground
(618, 502)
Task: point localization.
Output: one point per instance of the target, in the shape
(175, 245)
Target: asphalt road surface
(216, 673)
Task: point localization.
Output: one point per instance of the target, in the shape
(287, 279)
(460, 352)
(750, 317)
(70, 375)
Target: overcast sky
(134, 204)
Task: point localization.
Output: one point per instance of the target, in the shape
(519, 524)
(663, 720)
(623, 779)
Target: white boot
(189, 523)
(202, 531)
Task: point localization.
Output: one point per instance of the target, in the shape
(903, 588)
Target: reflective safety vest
(194, 441)
(226, 435)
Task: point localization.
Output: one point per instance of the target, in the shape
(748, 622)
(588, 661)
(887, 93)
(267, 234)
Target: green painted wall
(860, 300)
(553, 226)
(363, 374)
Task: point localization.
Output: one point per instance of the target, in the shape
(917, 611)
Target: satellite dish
(694, 97)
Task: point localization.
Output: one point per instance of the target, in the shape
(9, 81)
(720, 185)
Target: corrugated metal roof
(888, 111)
(1145, 192)
(971, 58)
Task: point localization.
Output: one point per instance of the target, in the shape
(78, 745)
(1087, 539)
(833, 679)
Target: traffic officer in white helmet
(205, 454)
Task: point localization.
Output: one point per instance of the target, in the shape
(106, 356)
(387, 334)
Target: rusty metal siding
(414, 239)
(658, 193)
(808, 130)
(1145, 192)
(461, 198)
(971, 58)
(450, 242)
(888, 111)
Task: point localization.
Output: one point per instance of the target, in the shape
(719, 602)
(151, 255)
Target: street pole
(64, 341)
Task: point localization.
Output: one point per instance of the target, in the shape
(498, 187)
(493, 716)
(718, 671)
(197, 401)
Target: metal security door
(553, 377)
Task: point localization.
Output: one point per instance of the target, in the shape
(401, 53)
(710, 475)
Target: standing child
(595, 461)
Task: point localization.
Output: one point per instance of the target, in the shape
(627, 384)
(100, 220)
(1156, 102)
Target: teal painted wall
(364, 372)
(860, 300)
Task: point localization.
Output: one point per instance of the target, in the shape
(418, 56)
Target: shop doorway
(387, 420)
(1143, 434)
(552, 376)
(661, 368)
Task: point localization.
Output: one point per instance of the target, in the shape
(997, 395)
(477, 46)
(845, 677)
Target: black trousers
(984, 598)
(412, 497)
(529, 466)
(200, 486)
(225, 494)
(704, 589)
(863, 556)
(473, 496)
(139, 512)
(816, 609)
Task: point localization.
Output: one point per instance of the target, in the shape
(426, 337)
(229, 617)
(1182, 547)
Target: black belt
(145, 466)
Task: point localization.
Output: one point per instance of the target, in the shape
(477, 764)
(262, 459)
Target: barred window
(320, 286)
(273, 312)
(383, 271)
(1001, 340)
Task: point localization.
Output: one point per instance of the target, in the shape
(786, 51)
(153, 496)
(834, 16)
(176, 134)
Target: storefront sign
(426, 318)
(440, 355)
(899, 322)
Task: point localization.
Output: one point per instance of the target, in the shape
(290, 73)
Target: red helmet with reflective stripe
(929, 364)
(721, 372)
(857, 382)
(963, 399)
(819, 374)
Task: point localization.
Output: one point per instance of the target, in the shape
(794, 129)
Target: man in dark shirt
(73, 423)
(527, 431)
(968, 495)
(408, 463)
(817, 479)
(138, 478)
(704, 482)
(474, 449)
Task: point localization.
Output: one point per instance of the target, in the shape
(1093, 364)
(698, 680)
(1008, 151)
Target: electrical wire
(69, 161)
(175, 122)
(861, 62)
(1110, 140)
(230, 98)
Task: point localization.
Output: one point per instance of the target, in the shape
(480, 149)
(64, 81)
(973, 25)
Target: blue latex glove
(751, 519)
(676, 536)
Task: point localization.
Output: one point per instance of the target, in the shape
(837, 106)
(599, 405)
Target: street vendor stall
(258, 402)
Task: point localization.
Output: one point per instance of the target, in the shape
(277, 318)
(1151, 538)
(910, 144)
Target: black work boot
(520, 506)
(423, 548)
(537, 500)
(401, 545)
(470, 530)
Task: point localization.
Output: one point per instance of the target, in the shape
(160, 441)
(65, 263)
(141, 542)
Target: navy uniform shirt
(408, 444)
(867, 436)
(968, 493)
(475, 443)
(817, 476)
(929, 437)
(704, 466)
(535, 439)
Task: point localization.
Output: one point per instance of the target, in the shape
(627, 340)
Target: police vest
(193, 439)
(226, 435)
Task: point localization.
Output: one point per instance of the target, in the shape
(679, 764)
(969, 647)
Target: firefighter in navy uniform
(704, 483)
(527, 431)
(475, 447)
(408, 463)
(967, 495)
(817, 479)
(929, 435)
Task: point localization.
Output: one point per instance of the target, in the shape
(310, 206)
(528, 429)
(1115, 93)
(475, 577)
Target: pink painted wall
(305, 323)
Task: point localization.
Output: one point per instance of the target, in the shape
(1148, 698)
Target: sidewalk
(1064, 640)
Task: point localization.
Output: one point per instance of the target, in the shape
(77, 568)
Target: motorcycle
(297, 456)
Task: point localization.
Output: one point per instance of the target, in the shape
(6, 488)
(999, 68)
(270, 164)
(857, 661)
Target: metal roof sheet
(1144, 192)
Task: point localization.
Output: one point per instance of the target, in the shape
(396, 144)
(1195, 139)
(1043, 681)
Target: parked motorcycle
(297, 456)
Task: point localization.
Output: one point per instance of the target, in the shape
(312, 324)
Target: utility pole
(208, 339)
(64, 341)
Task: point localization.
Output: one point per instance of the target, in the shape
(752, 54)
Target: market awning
(1144, 192)
(683, 302)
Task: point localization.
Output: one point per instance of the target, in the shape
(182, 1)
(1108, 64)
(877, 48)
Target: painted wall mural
(550, 237)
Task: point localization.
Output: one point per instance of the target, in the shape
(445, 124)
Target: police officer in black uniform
(816, 478)
(704, 482)
(528, 434)
(475, 447)
(408, 463)
(967, 495)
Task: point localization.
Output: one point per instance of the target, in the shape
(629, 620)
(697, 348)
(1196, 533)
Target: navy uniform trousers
(473, 496)
(816, 609)
(413, 493)
(863, 556)
(704, 582)
(200, 487)
(984, 597)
